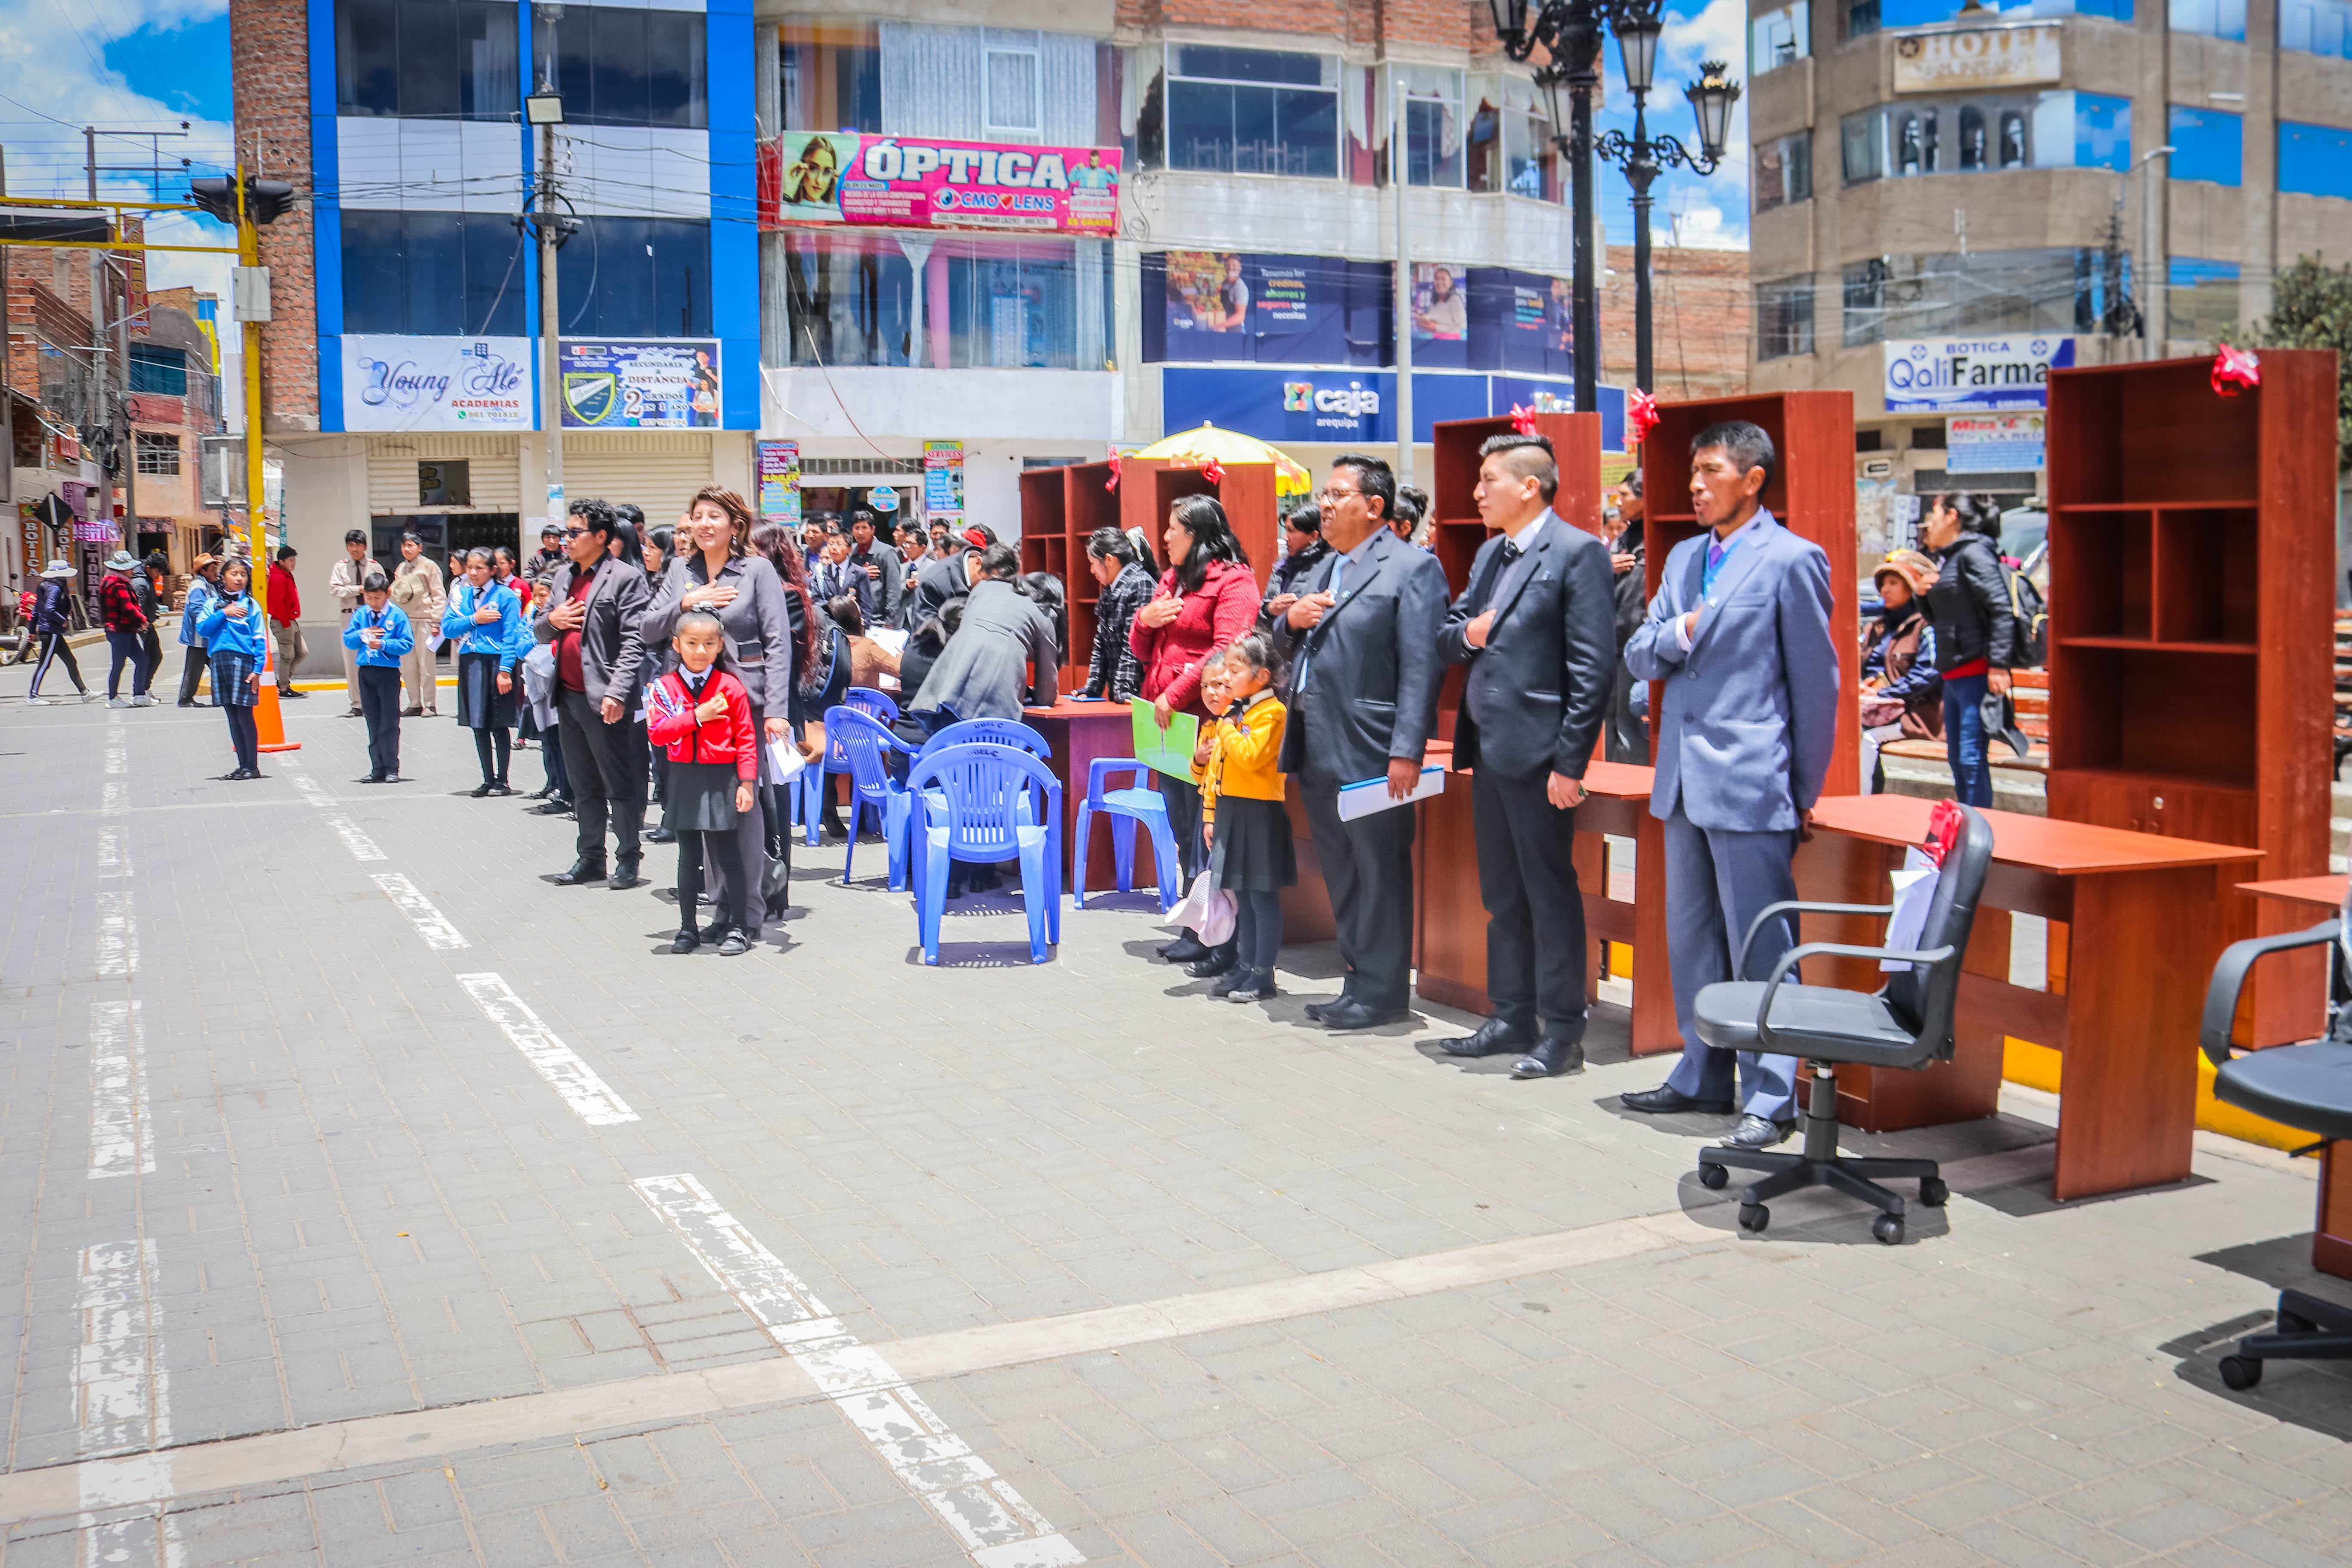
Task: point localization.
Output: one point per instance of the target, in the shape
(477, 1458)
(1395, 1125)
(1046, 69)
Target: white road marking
(574, 1080)
(114, 799)
(121, 1142)
(996, 1525)
(118, 936)
(431, 924)
(118, 760)
(113, 852)
(361, 847)
(121, 1401)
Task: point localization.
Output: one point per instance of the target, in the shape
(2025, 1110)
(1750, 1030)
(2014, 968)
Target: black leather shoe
(552, 808)
(587, 868)
(661, 836)
(1552, 1055)
(1759, 1132)
(1314, 1010)
(735, 946)
(686, 942)
(1232, 980)
(1257, 986)
(1217, 960)
(1353, 1015)
(1493, 1038)
(1185, 949)
(715, 930)
(1665, 1099)
(624, 874)
(288, 695)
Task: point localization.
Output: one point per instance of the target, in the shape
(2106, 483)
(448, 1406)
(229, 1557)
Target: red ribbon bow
(1640, 414)
(2235, 370)
(1112, 483)
(1523, 420)
(1213, 471)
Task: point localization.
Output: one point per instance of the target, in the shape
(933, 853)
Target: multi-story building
(1950, 200)
(174, 400)
(401, 367)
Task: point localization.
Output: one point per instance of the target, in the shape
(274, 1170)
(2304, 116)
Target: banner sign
(908, 182)
(1993, 443)
(1352, 408)
(780, 482)
(943, 480)
(667, 384)
(1973, 58)
(392, 383)
(1973, 374)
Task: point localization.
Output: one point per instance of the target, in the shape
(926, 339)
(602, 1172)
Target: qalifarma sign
(1928, 375)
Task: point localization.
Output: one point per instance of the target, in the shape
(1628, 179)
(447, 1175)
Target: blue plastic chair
(816, 779)
(880, 704)
(984, 803)
(867, 743)
(1137, 803)
(991, 732)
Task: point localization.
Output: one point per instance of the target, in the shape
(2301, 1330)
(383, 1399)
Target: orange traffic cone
(268, 723)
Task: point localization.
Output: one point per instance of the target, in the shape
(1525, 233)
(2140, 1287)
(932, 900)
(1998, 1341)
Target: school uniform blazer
(1747, 719)
(399, 636)
(1372, 668)
(612, 651)
(1542, 682)
(758, 631)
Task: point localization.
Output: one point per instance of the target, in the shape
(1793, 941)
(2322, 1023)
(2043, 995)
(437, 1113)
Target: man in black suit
(1363, 636)
(1536, 628)
(593, 603)
(942, 582)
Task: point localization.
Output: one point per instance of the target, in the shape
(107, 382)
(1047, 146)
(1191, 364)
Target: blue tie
(1307, 654)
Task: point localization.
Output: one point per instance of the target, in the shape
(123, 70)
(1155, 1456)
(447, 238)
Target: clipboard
(1371, 795)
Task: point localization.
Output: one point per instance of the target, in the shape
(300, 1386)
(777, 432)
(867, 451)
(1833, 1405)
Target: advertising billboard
(912, 181)
(1989, 374)
(1352, 408)
(667, 384)
(780, 482)
(436, 384)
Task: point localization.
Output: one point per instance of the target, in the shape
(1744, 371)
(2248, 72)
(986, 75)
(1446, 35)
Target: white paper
(433, 643)
(891, 638)
(784, 760)
(1373, 794)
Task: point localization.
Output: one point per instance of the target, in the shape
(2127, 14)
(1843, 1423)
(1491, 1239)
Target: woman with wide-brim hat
(50, 602)
(126, 632)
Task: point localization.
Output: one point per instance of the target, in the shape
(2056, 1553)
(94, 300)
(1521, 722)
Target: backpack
(2031, 611)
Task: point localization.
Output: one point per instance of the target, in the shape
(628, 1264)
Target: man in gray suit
(1738, 636)
(1363, 636)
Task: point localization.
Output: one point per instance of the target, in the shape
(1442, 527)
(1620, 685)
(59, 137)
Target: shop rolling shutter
(658, 472)
(494, 471)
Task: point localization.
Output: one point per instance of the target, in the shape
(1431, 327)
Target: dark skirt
(480, 704)
(230, 669)
(701, 799)
(1252, 852)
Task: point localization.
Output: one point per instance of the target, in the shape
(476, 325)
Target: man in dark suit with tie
(1363, 636)
(1536, 628)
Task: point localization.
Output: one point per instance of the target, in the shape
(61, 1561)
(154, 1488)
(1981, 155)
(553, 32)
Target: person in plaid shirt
(126, 632)
(1115, 674)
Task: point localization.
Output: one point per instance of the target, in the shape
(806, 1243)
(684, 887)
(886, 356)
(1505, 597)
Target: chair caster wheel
(1933, 1192)
(1888, 1229)
(2240, 1374)
(1754, 1217)
(1714, 1178)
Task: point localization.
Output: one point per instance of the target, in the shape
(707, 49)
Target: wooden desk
(1450, 919)
(1079, 733)
(2304, 901)
(2139, 908)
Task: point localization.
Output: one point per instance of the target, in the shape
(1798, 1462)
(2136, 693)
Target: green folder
(1168, 751)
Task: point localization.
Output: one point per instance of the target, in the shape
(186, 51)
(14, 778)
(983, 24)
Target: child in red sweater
(702, 714)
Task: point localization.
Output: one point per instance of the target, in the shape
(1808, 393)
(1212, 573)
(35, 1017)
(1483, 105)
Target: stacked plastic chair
(986, 802)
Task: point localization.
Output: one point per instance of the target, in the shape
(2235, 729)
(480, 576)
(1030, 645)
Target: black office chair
(2307, 1086)
(1906, 1023)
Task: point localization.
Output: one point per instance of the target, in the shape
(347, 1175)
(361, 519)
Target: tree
(2311, 308)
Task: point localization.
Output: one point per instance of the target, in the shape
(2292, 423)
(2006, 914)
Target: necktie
(1498, 565)
(1307, 649)
(1715, 555)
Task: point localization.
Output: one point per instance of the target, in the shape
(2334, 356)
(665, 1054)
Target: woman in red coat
(1206, 599)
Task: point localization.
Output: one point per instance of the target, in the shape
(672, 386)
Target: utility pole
(98, 419)
(544, 108)
(1398, 166)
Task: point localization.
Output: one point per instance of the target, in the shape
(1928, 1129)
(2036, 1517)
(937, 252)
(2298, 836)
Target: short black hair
(1373, 476)
(1746, 444)
(376, 582)
(866, 517)
(1306, 518)
(999, 561)
(355, 536)
(548, 528)
(630, 513)
(1109, 544)
(1633, 481)
(412, 539)
(286, 552)
(1543, 467)
(595, 516)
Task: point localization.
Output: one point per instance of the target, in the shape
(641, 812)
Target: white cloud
(1714, 207)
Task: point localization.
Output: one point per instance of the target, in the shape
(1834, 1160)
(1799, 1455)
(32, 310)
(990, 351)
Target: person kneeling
(702, 714)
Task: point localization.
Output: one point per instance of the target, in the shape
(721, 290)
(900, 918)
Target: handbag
(1208, 911)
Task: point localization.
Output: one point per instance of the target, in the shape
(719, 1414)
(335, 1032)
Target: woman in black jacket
(1976, 635)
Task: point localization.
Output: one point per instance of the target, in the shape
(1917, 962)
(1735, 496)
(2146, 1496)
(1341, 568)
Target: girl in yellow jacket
(1244, 819)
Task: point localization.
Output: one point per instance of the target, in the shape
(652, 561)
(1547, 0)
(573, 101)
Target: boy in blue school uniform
(380, 633)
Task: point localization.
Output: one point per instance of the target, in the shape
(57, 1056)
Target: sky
(1710, 212)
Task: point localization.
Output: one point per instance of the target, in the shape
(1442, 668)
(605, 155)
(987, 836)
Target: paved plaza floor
(373, 1200)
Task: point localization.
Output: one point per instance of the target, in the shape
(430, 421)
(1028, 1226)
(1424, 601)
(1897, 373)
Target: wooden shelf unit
(1810, 492)
(1147, 487)
(2191, 593)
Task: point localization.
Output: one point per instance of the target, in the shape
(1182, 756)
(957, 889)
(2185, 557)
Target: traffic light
(215, 197)
(265, 201)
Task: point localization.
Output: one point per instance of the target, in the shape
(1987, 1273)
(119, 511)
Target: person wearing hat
(126, 632)
(347, 581)
(50, 608)
(194, 661)
(1902, 692)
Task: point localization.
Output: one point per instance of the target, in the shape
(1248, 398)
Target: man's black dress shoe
(587, 868)
(1552, 1055)
(1664, 1100)
(661, 836)
(624, 874)
(716, 930)
(1353, 1015)
(1314, 1010)
(1492, 1037)
(1759, 1132)
(552, 808)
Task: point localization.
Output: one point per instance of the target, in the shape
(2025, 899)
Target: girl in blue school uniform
(231, 631)
(492, 641)
(379, 634)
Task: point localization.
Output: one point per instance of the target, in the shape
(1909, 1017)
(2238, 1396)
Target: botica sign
(1967, 60)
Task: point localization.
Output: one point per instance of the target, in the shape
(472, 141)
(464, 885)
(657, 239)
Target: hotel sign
(1969, 60)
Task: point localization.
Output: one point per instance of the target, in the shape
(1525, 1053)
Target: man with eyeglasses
(591, 613)
(1362, 638)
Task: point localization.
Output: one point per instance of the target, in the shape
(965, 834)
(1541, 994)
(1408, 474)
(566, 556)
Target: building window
(2201, 299)
(990, 84)
(1010, 77)
(434, 274)
(635, 278)
(1902, 297)
(832, 77)
(2314, 159)
(2316, 27)
(2213, 18)
(1784, 171)
(1784, 318)
(1861, 18)
(158, 369)
(618, 65)
(425, 59)
(1253, 112)
(1779, 37)
(2103, 131)
(1009, 304)
(1510, 145)
(1432, 126)
(159, 452)
(1862, 142)
(2206, 144)
(1864, 287)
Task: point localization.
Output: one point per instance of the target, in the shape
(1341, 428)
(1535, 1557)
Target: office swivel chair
(1906, 1024)
(2307, 1086)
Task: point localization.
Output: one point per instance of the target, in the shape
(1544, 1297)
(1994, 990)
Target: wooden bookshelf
(2193, 543)
(1149, 487)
